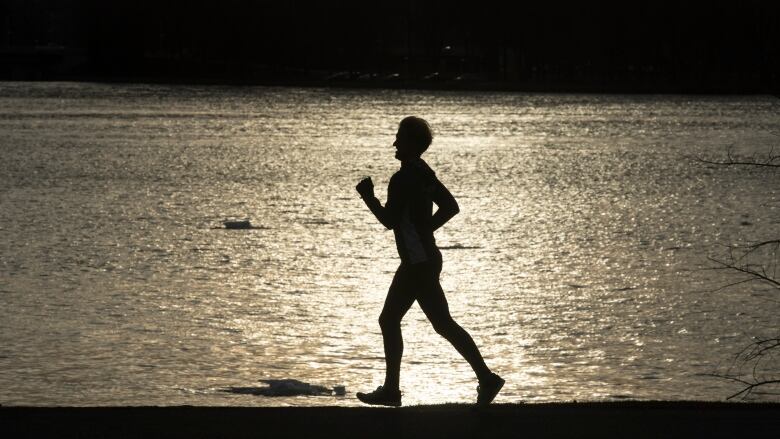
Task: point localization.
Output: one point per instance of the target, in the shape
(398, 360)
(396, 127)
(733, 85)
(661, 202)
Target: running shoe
(488, 389)
(380, 396)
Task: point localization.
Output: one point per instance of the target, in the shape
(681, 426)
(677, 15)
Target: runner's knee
(445, 326)
(387, 320)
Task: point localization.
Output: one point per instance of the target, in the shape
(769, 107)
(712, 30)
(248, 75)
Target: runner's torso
(411, 192)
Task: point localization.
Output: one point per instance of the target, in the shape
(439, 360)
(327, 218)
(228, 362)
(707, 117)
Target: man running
(410, 197)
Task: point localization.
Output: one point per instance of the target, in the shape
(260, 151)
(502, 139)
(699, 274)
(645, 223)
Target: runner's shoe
(488, 389)
(380, 396)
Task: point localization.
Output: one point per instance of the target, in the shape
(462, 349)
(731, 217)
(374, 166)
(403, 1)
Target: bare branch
(754, 262)
(757, 273)
(771, 160)
(747, 365)
(736, 259)
(769, 163)
(750, 387)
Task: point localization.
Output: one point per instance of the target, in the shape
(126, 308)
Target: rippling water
(575, 261)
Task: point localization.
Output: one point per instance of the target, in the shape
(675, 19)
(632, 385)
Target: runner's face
(403, 148)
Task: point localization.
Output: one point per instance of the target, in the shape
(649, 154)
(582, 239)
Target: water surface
(576, 261)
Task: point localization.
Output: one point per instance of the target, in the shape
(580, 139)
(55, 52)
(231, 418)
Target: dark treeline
(642, 45)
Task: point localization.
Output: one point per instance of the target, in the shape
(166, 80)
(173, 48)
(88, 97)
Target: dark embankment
(628, 419)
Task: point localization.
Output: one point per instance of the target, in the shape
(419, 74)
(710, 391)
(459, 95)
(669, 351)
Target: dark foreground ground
(624, 419)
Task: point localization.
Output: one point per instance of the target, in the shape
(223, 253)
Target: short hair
(419, 132)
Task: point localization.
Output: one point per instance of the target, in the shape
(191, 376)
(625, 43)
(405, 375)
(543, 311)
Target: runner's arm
(448, 207)
(390, 213)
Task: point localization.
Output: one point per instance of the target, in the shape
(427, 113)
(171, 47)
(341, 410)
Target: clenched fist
(365, 188)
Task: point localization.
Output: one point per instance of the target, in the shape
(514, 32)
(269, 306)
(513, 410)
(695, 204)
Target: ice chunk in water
(288, 387)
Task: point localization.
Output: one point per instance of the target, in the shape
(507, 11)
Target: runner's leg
(434, 304)
(400, 298)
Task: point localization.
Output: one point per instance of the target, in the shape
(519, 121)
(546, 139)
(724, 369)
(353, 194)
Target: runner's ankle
(391, 389)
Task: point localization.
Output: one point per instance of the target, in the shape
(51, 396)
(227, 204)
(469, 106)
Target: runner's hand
(365, 188)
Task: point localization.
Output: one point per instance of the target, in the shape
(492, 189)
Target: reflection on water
(575, 261)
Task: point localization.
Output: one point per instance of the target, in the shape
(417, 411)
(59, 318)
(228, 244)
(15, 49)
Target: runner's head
(413, 138)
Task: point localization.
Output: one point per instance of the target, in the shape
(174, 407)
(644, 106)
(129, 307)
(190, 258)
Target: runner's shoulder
(414, 175)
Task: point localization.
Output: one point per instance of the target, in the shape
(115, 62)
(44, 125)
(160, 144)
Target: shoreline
(617, 88)
(585, 419)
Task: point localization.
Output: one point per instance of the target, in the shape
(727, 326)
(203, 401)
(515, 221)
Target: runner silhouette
(410, 197)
